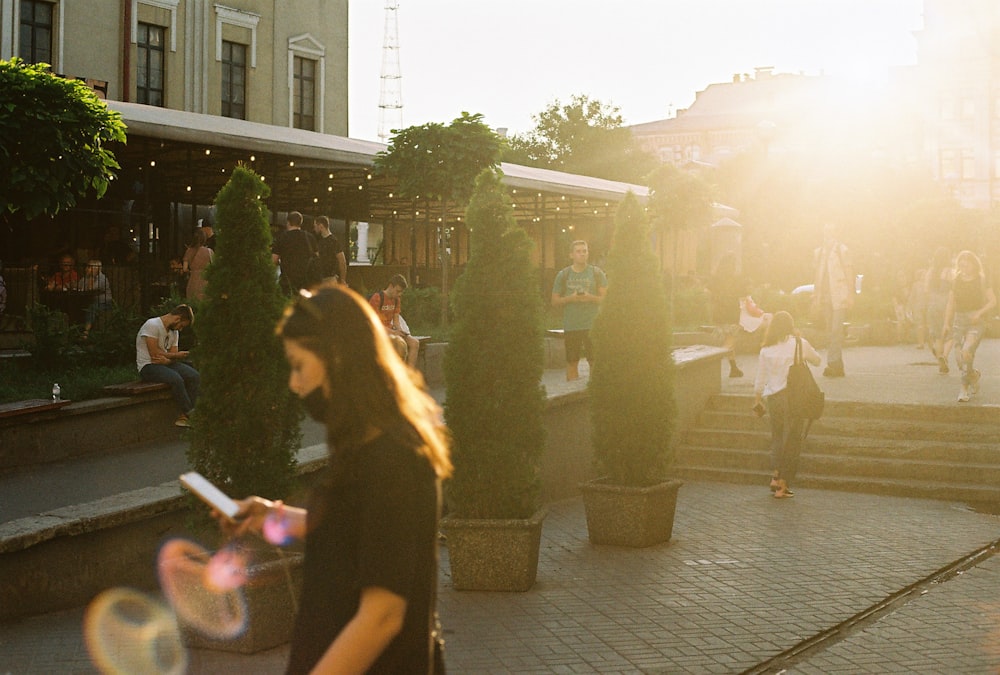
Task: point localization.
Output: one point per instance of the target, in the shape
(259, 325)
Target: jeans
(182, 378)
(786, 436)
(967, 337)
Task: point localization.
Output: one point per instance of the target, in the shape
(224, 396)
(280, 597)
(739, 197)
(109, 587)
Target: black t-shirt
(329, 247)
(295, 247)
(375, 526)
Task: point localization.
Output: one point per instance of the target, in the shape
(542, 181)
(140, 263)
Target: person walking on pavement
(771, 385)
(332, 261)
(578, 290)
(833, 295)
(159, 360)
(294, 251)
(371, 526)
(970, 302)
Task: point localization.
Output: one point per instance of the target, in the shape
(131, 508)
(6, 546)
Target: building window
(968, 109)
(150, 64)
(304, 94)
(949, 165)
(35, 40)
(968, 164)
(234, 80)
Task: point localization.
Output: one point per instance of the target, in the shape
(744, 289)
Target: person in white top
(771, 384)
(158, 358)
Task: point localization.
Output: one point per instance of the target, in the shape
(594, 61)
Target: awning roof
(186, 157)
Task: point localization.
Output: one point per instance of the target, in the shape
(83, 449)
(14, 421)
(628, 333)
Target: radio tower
(390, 100)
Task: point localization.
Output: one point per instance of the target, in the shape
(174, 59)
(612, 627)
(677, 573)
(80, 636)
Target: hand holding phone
(210, 494)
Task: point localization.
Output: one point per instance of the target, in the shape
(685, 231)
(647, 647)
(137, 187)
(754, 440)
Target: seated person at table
(94, 280)
(158, 359)
(65, 277)
(387, 305)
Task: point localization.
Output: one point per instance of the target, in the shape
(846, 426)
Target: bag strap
(798, 350)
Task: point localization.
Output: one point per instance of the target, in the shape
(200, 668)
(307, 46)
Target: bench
(30, 406)
(134, 388)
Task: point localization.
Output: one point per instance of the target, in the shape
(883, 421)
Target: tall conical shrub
(493, 366)
(632, 377)
(245, 427)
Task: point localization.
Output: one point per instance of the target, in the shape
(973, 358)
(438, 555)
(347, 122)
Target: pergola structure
(178, 157)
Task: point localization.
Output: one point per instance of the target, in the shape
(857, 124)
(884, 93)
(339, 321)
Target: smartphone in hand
(210, 494)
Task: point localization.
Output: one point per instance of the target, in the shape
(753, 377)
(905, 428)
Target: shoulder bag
(805, 398)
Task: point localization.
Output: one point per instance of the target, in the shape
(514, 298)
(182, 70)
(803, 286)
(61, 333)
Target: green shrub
(245, 426)
(691, 308)
(632, 376)
(493, 366)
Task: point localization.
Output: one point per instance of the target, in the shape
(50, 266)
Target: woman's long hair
(782, 325)
(371, 386)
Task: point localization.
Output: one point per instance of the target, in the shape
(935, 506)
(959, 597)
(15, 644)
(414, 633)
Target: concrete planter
(493, 555)
(271, 596)
(629, 516)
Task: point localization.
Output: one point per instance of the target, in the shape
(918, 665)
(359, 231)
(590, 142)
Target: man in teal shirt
(578, 289)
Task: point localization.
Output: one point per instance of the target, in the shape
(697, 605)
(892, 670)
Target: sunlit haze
(509, 60)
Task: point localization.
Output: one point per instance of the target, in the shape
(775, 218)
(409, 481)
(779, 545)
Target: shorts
(577, 342)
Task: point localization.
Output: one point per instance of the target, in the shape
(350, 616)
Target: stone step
(974, 414)
(982, 496)
(853, 467)
(948, 450)
(922, 451)
(886, 428)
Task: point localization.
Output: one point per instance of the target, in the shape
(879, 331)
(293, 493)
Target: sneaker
(183, 421)
(833, 371)
(942, 365)
(974, 382)
(963, 396)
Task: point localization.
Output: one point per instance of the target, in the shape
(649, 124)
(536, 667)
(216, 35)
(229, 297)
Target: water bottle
(56, 392)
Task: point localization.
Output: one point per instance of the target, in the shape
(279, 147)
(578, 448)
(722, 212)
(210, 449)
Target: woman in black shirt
(370, 530)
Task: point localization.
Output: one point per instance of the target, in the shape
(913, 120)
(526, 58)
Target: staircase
(931, 452)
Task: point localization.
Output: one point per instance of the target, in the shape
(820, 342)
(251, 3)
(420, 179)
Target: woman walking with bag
(777, 354)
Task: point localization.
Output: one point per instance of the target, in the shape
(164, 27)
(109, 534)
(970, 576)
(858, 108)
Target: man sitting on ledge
(158, 359)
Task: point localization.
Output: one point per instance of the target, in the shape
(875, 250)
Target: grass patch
(20, 379)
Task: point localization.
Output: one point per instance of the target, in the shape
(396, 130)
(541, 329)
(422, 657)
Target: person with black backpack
(578, 289)
(296, 252)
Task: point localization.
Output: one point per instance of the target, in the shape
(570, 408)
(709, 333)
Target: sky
(510, 59)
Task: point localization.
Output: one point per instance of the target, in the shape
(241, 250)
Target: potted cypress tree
(632, 395)
(245, 426)
(495, 402)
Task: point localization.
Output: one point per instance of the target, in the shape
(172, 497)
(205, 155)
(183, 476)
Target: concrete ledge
(86, 428)
(63, 558)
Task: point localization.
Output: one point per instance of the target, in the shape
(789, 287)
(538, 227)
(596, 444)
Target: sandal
(783, 494)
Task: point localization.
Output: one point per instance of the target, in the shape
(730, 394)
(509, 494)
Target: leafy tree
(493, 366)
(54, 138)
(586, 137)
(441, 162)
(245, 427)
(632, 377)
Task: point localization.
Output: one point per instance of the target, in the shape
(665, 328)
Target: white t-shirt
(773, 363)
(153, 328)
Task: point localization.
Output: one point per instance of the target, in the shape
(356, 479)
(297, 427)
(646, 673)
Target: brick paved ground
(745, 578)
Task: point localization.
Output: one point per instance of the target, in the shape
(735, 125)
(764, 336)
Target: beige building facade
(270, 61)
